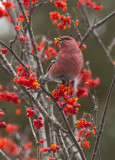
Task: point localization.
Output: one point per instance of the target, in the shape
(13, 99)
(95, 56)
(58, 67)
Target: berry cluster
(66, 20)
(9, 146)
(61, 4)
(90, 3)
(17, 27)
(4, 50)
(45, 52)
(83, 123)
(12, 128)
(30, 112)
(4, 13)
(55, 16)
(22, 38)
(69, 103)
(26, 2)
(85, 131)
(85, 82)
(37, 122)
(10, 96)
(21, 17)
(8, 4)
(25, 79)
(54, 148)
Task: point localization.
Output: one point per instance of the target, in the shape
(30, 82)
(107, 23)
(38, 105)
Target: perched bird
(68, 63)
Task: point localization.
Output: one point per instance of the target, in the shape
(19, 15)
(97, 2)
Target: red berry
(2, 124)
(54, 150)
(85, 94)
(78, 105)
(4, 50)
(41, 141)
(1, 113)
(86, 83)
(41, 124)
(29, 109)
(57, 147)
(45, 149)
(40, 118)
(89, 124)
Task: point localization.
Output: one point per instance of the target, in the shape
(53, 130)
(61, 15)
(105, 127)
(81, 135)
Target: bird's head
(65, 41)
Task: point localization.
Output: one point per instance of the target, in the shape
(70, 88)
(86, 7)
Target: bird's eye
(66, 38)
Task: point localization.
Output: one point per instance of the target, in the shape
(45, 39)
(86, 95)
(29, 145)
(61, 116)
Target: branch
(103, 118)
(95, 101)
(66, 122)
(111, 45)
(31, 96)
(44, 2)
(104, 19)
(62, 144)
(32, 39)
(7, 158)
(105, 51)
(94, 26)
(36, 139)
(77, 31)
(15, 55)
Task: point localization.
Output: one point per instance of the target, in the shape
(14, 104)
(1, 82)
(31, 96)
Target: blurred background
(43, 26)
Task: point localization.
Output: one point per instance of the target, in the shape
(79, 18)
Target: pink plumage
(68, 63)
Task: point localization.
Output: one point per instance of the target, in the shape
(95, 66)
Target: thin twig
(62, 144)
(103, 118)
(105, 51)
(95, 101)
(90, 29)
(44, 2)
(77, 31)
(4, 155)
(104, 19)
(111, 45)
(15, 55)
(36, 139)
(30, 13)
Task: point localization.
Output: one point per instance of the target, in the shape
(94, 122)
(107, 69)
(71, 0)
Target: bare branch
(103, 118)
(15, 55)
(32, 39)
(36, 139)
(108, 17)
(66, 122)
(112, 44)
(4, 155)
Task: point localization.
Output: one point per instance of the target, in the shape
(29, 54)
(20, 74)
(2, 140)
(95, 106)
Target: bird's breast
(67, 66)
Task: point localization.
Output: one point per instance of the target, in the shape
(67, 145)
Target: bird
(67, 64)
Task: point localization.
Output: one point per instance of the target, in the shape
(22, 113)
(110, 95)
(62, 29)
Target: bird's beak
(57, 41)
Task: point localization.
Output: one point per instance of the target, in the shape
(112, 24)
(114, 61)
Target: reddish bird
(67, 64)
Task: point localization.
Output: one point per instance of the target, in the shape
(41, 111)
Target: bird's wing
(52, 63)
